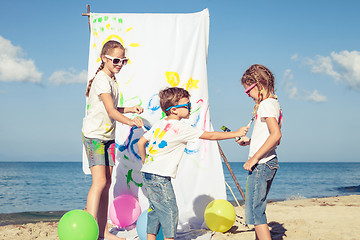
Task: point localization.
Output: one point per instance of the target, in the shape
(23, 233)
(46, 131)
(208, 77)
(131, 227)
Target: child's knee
(100, 183)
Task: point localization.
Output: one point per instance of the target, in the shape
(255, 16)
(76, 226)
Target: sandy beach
(317, 218)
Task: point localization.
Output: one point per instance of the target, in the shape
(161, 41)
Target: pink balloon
(124, 210)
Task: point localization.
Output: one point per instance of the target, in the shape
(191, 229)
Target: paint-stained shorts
(99, 152)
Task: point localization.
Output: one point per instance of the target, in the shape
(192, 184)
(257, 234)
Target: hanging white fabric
(164, 50)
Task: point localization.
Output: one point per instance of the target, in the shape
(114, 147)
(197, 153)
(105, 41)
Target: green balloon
(78, 225)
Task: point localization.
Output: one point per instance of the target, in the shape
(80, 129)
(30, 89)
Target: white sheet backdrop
(164, 50)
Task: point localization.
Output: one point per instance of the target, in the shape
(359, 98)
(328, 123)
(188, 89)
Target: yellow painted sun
(111, 24)
(173, 79)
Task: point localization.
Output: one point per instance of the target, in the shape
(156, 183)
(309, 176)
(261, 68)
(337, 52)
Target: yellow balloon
(219, 215)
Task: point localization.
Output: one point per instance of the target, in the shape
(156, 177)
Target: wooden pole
(231, 171)
(88, 14)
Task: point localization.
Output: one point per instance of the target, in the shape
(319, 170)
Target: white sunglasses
(118, 61)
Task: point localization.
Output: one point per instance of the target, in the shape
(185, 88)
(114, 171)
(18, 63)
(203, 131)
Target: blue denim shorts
(257, 188)
(99, 152)
(162, 201)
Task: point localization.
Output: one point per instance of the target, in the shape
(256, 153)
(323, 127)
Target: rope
(232, 193)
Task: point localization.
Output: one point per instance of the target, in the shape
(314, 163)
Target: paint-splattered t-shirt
(97, 123)
(167, 142)
(267, 108)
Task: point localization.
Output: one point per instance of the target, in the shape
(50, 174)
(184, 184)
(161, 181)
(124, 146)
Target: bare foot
(109, 236)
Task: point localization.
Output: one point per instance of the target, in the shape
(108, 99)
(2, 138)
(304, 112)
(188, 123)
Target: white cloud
(323, 65)
(294, 57)
(315, 96)
(14, 67)
(68, 77)
(293, 92)
(288, 74)
(343, 67)
(289, 87)
(349, 63)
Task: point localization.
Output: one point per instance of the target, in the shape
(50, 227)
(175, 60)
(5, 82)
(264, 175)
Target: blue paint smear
(162, 144)
(156, 105)
(197, 121)
(188, 151)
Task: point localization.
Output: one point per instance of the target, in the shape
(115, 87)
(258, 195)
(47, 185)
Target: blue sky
(312, 47)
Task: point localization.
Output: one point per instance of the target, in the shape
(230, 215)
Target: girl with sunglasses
(262, 164)
(167, 140)
(99, 130)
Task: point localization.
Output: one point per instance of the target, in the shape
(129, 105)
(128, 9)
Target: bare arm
(135, 109)
(115, 114)
(142, 150)
(224, 135)
(271, 141)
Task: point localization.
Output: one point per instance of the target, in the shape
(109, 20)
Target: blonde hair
(263, 78)
(108, 46)
(170, 97)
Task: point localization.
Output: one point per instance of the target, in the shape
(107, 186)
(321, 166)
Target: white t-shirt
(167, 142)
(269, 107)
(97, 123)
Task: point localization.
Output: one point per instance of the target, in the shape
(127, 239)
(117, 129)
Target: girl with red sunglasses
(262, 163)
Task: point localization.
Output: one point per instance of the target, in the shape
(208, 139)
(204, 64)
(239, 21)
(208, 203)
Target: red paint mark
(112, 151)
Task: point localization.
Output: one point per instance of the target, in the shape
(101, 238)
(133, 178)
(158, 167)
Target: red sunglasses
(247, 91)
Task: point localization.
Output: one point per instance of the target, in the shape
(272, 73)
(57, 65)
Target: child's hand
(244, 141)
(242, 131)
(250, 163)
(137, 109)
(137, 122)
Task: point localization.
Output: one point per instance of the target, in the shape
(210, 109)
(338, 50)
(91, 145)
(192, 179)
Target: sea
(62, 186)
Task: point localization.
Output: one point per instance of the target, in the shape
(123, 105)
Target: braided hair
(108, 46)
(263, 78)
